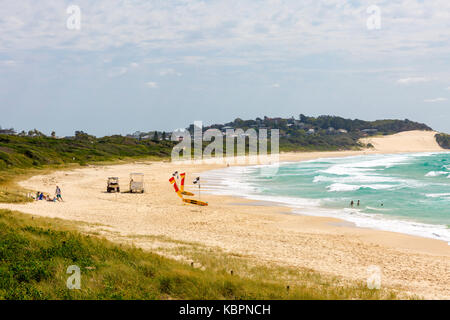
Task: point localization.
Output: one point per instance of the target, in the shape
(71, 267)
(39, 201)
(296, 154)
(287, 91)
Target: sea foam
(394, 196)
(436, 173)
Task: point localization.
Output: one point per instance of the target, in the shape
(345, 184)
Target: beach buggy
(113, 185)
(136, 183)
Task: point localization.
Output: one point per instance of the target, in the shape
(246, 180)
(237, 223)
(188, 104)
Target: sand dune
(265, 233)
(409, 141)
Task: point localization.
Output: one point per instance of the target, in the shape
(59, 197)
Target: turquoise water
(407, 193)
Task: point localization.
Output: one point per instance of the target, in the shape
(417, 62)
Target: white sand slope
(408, 141)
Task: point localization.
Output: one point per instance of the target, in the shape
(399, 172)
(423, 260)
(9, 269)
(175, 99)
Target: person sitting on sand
(41, 196)
(58, 194)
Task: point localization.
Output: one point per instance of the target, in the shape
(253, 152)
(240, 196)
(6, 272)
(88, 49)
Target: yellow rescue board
(196, 202)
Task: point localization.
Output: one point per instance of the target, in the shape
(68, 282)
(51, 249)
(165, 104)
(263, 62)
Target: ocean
(406, 193)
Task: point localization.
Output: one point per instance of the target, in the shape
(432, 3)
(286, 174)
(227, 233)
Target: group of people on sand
(46, 197)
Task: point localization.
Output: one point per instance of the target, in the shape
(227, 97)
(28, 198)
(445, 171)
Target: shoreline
(367, 221)
(411, 264)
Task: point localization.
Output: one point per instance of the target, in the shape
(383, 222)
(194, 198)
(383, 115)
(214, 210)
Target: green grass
(34, 152)
(10, 191)
(35, 254)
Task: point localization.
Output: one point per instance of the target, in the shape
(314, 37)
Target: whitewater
(406, 193)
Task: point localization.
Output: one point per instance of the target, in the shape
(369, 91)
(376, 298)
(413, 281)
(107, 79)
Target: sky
(127, 65)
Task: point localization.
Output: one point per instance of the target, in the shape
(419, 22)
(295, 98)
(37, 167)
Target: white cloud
(116, 72)
(412, 80)
(152, 85)
(435, 100)
(275, 85)
(8, 63)
(275, 29)
(169, 72)
(119, 71)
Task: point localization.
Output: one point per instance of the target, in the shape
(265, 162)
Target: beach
(264, 232)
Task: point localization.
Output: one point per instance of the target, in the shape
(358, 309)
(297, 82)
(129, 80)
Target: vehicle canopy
(137, 176)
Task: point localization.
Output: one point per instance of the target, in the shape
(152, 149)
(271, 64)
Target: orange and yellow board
(197, 202)
(186, 193)
(181, 192)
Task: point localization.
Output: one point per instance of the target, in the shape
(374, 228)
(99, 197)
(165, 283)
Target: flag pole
(199, 196)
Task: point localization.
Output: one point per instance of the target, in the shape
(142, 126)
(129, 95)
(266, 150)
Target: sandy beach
(265, 233)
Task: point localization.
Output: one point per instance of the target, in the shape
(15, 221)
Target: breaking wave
(407, 193)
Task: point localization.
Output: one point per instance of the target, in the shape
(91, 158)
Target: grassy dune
(32, 152)
(35, 254)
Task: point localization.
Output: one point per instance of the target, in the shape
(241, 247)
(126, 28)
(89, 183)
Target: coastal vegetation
(39, 150)
(36, 252)
(323, 133)
(443, 140)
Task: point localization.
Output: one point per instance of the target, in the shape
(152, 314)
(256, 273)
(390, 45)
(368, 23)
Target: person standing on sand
(58, 194)
(352, 203)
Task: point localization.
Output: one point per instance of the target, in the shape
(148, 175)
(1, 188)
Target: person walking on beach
(58, 194)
